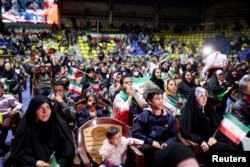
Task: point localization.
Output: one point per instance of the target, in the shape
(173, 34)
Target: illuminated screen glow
(30, 11)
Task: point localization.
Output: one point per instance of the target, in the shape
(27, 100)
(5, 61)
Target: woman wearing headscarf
(154, 82)
(172, 101)
(41, 132)
(216, 86)
(232, 79)
(186, 85)
(199, 123)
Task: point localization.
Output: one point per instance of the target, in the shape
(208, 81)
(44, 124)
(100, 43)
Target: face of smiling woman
(43, 112)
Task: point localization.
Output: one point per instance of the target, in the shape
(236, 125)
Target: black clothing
(241, 110)
(35, 140)
(184, 88)
(198, 126)
(158, 82)
(214, 89)
(172, 155)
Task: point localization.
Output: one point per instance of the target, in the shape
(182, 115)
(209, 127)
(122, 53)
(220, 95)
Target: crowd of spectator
(171, 82)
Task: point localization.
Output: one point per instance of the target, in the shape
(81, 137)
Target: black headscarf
(194, 124)
(185, 87)
(231, 80)
(158, 82)
(9, 74)
(36, 140)
(213, 86)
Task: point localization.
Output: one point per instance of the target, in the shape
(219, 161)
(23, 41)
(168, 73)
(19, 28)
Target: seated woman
(199, 123)
(88, 112)
(40, 133)
(155, 126)
(218, 85)
(232, 78)
(173, 102)
(154, 82)
(186, 85)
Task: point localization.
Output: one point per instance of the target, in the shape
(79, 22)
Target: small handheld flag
(222, 95)
(75, 88)
(233, 128)
(73, 73)
(95, 85)
(53, 160)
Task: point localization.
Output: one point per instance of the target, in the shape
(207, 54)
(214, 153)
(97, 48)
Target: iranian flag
(75, 88)
(95, 85)
(138, 83)
(5, 84)
(233, 128)
(73, 73)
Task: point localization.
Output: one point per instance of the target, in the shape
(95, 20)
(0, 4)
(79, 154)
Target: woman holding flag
(199, 123)
(40, 134)
(218, 88)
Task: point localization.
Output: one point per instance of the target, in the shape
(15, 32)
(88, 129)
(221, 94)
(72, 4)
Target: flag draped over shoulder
(233, 128)
(5, 84)
(75, 88)
(138, 83)
(73, 73)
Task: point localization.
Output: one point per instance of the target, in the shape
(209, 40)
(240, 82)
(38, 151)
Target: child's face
(115, 140)
(91, 101)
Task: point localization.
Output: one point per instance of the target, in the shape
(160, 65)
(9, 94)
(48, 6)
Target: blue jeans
(44, 91)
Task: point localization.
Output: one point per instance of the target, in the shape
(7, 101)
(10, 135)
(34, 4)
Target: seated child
(114, 148)
(88, 112)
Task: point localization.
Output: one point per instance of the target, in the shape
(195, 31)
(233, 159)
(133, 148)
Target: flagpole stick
(215, 132)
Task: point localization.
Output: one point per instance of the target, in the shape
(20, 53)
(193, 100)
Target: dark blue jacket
(150, 127)
(83, 116)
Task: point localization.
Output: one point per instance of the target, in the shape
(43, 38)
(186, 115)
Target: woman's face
(220, 77)
(43, 112)
(7, 66)
(188, 77)
(104, 70)
(81, 67)
(118, 78)
(158, 74)
(172, 88)
(91, 101)
(234, 73)
(202, 99)
(62, 69)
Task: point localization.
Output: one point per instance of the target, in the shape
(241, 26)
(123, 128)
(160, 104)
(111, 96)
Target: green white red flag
(138, 83)
(73, 73)
(95, 85)
(75, 88)
(233, 128)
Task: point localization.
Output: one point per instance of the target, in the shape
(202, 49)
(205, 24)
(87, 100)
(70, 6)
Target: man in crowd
(241, 108)
(43, 81)
(61, 103)
(127, 103)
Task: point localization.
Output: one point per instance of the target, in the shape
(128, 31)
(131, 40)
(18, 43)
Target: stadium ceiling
(163, 3)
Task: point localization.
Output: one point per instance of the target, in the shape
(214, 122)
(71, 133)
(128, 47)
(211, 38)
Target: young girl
(88, 112)
(114, 148)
